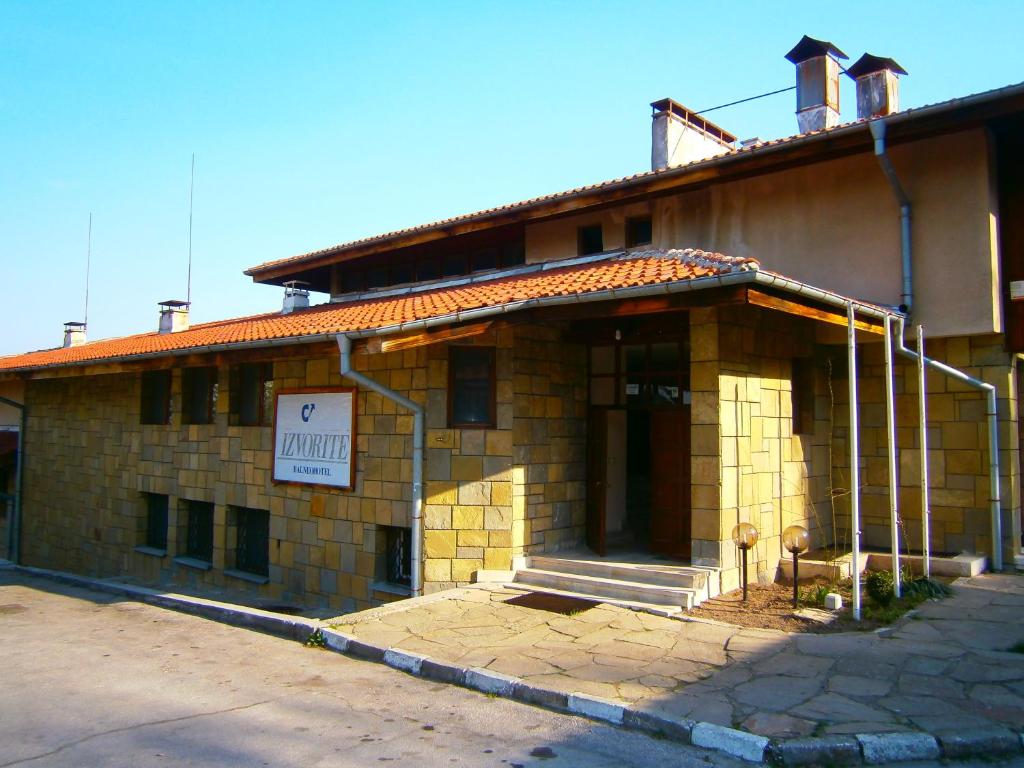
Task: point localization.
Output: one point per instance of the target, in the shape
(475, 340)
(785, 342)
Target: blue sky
(317, 123)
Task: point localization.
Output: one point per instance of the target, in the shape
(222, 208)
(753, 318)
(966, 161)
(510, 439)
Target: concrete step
(659, 610)
(636, 591)
(647, 573)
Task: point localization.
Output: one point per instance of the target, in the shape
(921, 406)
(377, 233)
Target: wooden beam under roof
(760, 299)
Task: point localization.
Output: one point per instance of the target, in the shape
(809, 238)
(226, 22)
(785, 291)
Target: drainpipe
(851, 349)
(14, 531)
(993, 436)
(878, 133)
(894, 493)
(346, 370)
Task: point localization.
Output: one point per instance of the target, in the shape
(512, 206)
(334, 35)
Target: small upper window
(589, 240)
(198, 395)
(471, 387)
(638, 231)
(252, 394)
(155, 407)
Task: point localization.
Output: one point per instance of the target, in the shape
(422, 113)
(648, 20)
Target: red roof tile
(613, 272)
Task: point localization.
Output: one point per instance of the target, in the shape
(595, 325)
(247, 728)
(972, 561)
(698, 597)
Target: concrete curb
(837, 750)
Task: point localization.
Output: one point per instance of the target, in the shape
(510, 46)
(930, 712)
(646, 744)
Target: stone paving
(947, 666)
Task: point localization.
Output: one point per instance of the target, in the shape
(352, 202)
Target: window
(199, 530)
(156, 397)
(802, 394)
(589, 240)
(252, 395)
(398, 555)
(198, 395)
(471, 386)
(155, 531)
(638, 231)
(251, 529)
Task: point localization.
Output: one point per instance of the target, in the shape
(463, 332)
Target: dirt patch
(771, 607)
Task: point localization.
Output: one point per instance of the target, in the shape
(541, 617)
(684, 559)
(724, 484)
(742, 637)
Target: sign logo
(307, 411)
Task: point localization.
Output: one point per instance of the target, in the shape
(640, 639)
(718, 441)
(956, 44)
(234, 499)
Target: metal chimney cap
(808, 48)
(869, 63)
(74, 325)
(173, 303)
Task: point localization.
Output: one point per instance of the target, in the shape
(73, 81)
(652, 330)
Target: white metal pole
(851, 348)
(922, 386)
(890, 412)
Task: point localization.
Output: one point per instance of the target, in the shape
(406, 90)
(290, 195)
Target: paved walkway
(945, 667)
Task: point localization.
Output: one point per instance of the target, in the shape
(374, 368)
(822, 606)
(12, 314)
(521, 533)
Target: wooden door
(670, 482)
(597, 452)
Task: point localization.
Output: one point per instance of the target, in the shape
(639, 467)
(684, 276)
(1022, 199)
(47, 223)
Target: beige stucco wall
(836, 225)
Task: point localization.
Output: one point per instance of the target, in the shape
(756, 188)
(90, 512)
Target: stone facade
(747, 464)
(958, 456)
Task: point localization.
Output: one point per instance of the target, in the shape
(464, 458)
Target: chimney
(173, 316)
(295, 296)
(878, 85)
(680, 136)
(74, 334)
(817, 83)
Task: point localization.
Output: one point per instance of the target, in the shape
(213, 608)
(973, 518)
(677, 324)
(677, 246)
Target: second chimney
(296, 296)
(817, 83)
(173, 316)
(74, 334)
(679, 136)
(878, 86)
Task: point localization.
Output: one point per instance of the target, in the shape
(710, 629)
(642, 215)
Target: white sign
(314, 438)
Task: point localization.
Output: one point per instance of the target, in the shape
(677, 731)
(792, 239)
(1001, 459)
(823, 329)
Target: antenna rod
(88, 258)
(191, 188)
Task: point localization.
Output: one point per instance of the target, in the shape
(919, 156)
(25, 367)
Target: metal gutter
(14, 531)
(878, 133)
(416, 534)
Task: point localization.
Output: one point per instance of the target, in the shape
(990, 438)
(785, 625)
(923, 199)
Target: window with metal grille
(251, 394)
(198, 395)
(252, 540)
(471, 394)
(199, 530)
(398, 554)
(155, 406)
(156, 521)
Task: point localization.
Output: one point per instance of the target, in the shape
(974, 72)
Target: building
(639, 364)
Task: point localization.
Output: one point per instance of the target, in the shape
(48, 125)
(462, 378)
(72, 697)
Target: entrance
(638, 474)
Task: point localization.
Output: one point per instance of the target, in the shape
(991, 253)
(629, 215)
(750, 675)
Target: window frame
(155, 396)
(454, 351)
(192, 506)
(151, 501)
(581, 237)
(191, 378)
(631, 238)
(241, 563)
(264, 375)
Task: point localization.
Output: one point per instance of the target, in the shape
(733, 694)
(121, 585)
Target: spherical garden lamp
(744, 536)
(797, 540)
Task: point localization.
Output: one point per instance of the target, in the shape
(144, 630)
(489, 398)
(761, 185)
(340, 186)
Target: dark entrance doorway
(638, 490)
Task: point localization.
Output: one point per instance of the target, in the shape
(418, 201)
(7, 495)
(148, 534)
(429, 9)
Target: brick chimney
(679, 136)
(74, 334)
(878, 85)
(173, 316)
(817, 83)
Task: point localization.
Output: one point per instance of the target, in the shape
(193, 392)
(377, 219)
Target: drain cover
(542, 601)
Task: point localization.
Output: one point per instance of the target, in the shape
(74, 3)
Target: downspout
(346, 370)
(14, 532)
(851, 349)
(993, 437)
(878, 133)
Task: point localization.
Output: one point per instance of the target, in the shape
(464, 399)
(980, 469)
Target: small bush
(880, 588)
(316, 640)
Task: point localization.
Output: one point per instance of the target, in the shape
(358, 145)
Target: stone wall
(958, 456)
(747, 464)
(549, 427)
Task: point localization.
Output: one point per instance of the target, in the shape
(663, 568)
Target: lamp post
(744, 536)
(797, 540)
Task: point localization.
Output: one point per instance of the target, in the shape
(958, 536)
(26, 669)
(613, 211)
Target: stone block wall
(468, 473)
(747, 465)
(958, 456)
(549, 436)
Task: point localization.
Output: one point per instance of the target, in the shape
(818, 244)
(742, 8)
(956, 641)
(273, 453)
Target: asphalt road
(87, 679)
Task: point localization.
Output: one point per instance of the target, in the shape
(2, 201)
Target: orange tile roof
(615, 271)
